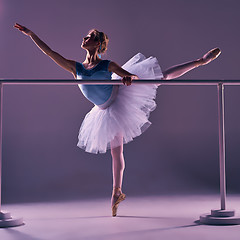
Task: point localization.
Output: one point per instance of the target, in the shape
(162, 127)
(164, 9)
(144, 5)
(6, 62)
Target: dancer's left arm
(127, 77)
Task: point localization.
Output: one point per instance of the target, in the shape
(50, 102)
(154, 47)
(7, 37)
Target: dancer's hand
(23, 29)
(127, 80)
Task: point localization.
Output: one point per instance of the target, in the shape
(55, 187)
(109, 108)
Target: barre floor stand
(6, 220)
(221, 216)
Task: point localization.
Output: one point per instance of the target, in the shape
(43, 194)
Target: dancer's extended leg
(179, 70)
(118, 166)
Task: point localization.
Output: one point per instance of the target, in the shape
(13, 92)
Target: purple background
(178, 154)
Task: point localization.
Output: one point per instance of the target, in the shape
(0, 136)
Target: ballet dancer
(120, 112)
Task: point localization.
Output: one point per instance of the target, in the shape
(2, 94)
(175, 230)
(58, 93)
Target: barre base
(220, 217)
(6, 220)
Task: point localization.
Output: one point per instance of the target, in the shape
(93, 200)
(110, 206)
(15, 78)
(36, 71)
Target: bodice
(97, 94)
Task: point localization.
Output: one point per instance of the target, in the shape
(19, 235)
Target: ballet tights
(118, 166)
(178, 70)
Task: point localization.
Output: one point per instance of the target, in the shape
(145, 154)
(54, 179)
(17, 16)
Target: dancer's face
(89, 42)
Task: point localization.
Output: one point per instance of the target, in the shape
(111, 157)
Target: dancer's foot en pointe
(209, 56)
(117, 197)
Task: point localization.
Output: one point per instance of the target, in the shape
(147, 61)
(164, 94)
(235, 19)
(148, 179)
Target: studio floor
(153, 217)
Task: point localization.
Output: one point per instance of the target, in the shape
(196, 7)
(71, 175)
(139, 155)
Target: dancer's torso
(100, 95)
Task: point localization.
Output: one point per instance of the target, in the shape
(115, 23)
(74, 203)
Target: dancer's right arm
(68, 65)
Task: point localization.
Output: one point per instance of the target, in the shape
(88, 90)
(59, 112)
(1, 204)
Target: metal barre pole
(116, 82)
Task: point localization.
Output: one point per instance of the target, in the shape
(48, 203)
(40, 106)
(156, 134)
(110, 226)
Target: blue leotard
(97, 94)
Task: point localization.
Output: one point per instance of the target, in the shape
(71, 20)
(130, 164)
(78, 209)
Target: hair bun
(103, 38)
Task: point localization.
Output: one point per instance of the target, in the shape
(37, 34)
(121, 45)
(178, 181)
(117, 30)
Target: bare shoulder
(112, 67)
(115, 68)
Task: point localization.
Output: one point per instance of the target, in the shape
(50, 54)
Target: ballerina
(120, 112)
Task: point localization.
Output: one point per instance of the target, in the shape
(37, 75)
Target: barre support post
(221, 133)
(1, 93)
(6, 220)
(221, 216)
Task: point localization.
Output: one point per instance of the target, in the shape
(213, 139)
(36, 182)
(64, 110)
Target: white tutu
(127, 117)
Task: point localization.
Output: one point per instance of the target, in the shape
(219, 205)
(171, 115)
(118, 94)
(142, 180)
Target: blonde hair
(102, 38)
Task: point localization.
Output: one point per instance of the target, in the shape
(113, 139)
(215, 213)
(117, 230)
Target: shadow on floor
(16, 234)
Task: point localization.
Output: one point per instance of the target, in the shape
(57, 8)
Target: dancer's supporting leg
(118, 166)
(179, 70)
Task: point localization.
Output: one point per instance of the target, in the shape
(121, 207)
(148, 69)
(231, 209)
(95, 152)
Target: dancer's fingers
(20, 27)
(127, 80)
(17, 25)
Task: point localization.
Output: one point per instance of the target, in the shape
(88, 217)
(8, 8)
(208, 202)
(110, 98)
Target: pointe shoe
(210, 56)
(120, 198)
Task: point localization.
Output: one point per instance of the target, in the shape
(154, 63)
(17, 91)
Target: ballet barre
(220, 216)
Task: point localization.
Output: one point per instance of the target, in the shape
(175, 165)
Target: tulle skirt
(127, 117)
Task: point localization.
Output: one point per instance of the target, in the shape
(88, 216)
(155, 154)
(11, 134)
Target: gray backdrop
(179, 152)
